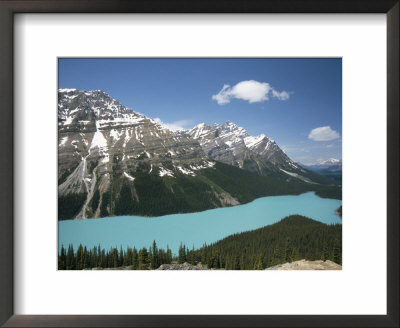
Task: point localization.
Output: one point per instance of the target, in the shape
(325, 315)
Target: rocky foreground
(183, 266)
(297, 265)
(307, 265)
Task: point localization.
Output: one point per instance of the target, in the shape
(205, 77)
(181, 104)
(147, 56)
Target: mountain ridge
(233, 145)
(115, 161)
(331, 168)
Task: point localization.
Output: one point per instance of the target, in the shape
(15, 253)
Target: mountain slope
(293, 238)
(231, 144)
(103, 145)
(114, 161)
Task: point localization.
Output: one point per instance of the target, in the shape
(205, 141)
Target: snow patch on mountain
(63, 141)
(165, 172)
(68, 120)
(129, 177)
(128, 136)
(123, 120)
(251, 142)
(98, 141)
(298, 176)
(185, 171)
(105, 159)
(293, 165)
(204, 165)
(115, 134)
(200, 130)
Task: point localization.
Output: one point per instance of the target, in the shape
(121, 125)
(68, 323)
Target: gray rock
(307, 265)
(102, 144)
(183, 266)
(231, 144)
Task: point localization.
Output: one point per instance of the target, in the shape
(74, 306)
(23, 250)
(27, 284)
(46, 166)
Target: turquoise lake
(194, 229)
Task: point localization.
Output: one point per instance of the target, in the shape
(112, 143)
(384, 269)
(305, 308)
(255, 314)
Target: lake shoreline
(210, 209)
(194, 229)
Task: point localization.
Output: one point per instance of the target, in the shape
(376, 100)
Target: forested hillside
(293, 238)
(152, 195)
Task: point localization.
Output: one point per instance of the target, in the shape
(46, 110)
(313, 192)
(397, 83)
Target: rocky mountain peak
(232, 144)
(229, 125)
(103, 143)
(114, 161)
(88, 105)
(330, 161)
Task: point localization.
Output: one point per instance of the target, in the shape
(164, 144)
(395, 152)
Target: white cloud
(283, 95)
(174, 126)
(251, 91)
(323, 133)
(223, 96)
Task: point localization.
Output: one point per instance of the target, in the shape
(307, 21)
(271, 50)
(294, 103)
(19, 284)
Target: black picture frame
(10, 7)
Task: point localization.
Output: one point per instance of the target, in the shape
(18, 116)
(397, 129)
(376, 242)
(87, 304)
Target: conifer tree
(182, 254)
(120, 256)
(103, 259)
(85, 262)
(259, 263)
(192, 257)
(169, 255)
(228, 262)
(135, 259)
(70, 258)
(204, 254)
(143, 259)
(337, 254)
(115, 259)
(288, 250)
(324, 253)
(79, 258)
(99, 259)
(62, 265)
(276, 256)
(154, 256)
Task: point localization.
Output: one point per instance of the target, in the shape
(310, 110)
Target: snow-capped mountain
(331, 164)
(95, 125)
(115, 161)
(102, 143)
(331, 167)
(231, 144)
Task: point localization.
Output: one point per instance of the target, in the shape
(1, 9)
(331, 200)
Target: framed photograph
(145, 140)
(186, 181)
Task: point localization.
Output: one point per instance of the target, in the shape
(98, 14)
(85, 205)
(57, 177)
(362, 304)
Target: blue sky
(296, 102)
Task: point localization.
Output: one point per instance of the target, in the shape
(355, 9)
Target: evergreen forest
(293, 238)
(152, 195)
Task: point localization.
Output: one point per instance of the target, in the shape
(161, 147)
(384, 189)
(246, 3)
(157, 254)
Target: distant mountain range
(331, 168)
(114, 161)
